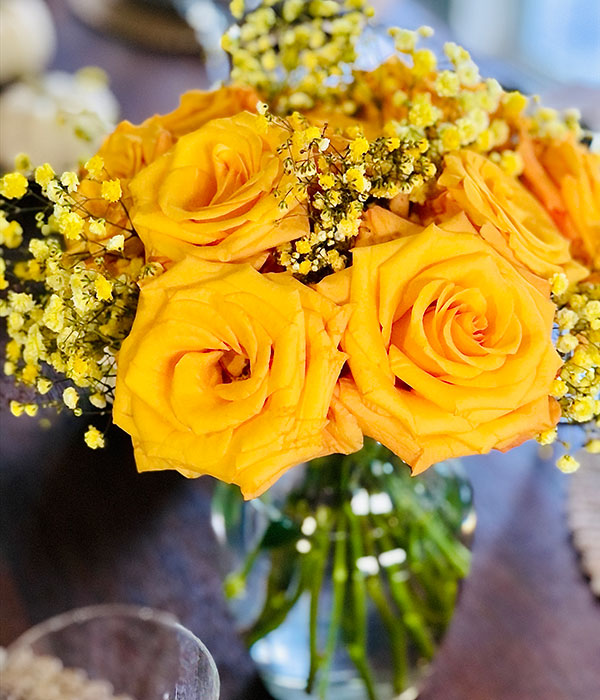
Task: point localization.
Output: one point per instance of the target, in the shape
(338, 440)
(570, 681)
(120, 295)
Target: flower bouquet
(374, 270)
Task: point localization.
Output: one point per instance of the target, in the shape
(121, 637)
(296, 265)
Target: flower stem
(339, 578)
(320, 551)
(357, 627)
(395, 629)
(407, 603)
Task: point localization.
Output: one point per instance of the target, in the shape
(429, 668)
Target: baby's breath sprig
(65, 328)
(70, 300)
(454, 107)
(577, 386)
(337, 180)
(289, 49)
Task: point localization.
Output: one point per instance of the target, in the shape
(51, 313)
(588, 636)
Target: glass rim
(163, 618)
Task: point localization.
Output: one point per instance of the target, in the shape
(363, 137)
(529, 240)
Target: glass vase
(344, 576)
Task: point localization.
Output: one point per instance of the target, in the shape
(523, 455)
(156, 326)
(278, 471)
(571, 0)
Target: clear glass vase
(344, 576)
(108, 651)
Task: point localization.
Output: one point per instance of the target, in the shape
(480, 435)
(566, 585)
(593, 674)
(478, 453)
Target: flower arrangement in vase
(308, 257)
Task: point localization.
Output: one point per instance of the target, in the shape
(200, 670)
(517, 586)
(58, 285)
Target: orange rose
(508, 216)
(449, 346)
(213, 195)
(565, 177)
(232, 373)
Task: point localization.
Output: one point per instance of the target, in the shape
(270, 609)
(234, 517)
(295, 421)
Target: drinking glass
(139, 653)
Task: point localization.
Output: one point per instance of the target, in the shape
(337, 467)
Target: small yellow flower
(593, 446)
(559, 283)
(30, 373)
(424, 62)
(304, 267)
(456, 53)
(514, 103)
(404, 39)
(236, 7)
(582, 410)
(70, 224)
(358, 148)
(13, 186)
(547, 437)
(11, 235)
(326, 180)
(31, 409)
(447, 84)
(43, 385)
(12, 350)
(468, 73)
(566, 319)
(94, 438)
(69, 180)
(22, 162)
(511, 162)
(70, 397)
(16, 408)
(566, 343)
(103, 288)
(567, 464)
(54, 317)
(21, 302)
(450, 136)
(467, 130)
(115, 243)
(422, 113)
(558, 389)
(43, 175)
(356, 178)
(111, 190)
(97, 400)
(95, 167)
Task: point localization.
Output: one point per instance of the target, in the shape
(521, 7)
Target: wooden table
(81, 527)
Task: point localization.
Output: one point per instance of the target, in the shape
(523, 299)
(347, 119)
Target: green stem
(406, 602)
(357, 647)
(339, 577)
(277, 602)
(321, 546)
(456, 553)
(394, 627)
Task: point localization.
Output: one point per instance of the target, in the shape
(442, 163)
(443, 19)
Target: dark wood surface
(81, 527)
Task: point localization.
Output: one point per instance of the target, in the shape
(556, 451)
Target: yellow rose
(213, 195)
(565, 177)
(198, 107)
(449, 346)
(132, 147)
(508, 216)
(380, 225)
(232, 373)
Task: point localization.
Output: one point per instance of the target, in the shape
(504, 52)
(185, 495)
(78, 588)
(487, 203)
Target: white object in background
(485, 26)
(60, 118)
(27, 38)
